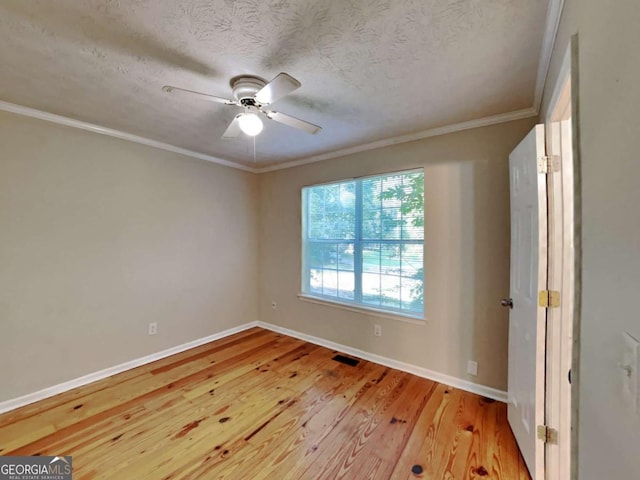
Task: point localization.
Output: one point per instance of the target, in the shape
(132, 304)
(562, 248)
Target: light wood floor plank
(71, 416)
(86, 390)
(261, 405)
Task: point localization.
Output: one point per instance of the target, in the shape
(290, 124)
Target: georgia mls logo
(36, 468)
(66, 464)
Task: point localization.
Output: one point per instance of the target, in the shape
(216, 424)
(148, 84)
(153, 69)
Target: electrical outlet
(377, 330)
(274, 305)
(153, 328)
(472, 368)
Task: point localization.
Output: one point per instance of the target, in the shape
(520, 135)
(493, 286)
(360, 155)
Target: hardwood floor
(259, 405)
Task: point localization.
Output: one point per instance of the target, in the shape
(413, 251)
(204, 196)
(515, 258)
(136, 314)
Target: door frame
(562, 349)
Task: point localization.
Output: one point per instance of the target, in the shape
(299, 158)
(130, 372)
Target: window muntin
(363, 242)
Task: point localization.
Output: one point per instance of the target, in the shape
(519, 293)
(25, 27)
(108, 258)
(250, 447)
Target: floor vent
(346, 360)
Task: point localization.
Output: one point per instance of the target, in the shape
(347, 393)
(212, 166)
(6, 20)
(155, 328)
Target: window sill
(361, 309)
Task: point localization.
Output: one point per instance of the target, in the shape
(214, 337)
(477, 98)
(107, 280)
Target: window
(363, 240)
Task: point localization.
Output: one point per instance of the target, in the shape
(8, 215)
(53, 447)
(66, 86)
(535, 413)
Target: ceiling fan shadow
(93, 28)
(299, 37)
(322, 105)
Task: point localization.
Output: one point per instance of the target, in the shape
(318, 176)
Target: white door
(526, 319)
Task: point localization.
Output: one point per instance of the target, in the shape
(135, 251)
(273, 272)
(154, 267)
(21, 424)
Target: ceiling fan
(253, 94)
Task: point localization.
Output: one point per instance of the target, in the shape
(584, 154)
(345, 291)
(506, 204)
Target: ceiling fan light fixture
(250, 123)
(252, 94)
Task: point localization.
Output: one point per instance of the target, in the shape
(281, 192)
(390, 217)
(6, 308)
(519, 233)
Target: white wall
(99, 237)
(466, 254)
(609, 97)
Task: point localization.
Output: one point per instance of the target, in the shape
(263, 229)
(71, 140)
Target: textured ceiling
(370, 69)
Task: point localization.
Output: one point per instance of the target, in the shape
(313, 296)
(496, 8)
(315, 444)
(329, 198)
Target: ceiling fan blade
(283, 84)
(293, 122)
(233, 130)
(183, 91)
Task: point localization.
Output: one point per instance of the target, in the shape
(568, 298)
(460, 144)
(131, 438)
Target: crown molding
(432, 132)
(456, 127)
(552, 24)
(90, 127)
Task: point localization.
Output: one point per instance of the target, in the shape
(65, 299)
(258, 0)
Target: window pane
(345, 256)
(391, 220)
(330, 282)
(315, 281)
(331, 269)
(390, 258)
(393, 207)
(371, 289)
(371, 257)
(390, 291)
(371, 224)
(371, 227)
(412, 295)
(331, 211)
(346, 285)
(363, 241)
(412, 278)
(413, 227)
(322, 255)
(411, 259)
(371, 188)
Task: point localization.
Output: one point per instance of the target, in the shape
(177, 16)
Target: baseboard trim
(485, 391)
(455, 382)
(14, 403)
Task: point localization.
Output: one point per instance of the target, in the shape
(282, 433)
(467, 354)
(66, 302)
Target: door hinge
(547, 434)
(549, 298)
(548, 164)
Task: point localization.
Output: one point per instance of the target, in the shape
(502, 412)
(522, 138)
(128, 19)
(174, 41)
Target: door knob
(506, 302)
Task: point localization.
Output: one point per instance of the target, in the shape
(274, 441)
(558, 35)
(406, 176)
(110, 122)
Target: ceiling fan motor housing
(245, 88)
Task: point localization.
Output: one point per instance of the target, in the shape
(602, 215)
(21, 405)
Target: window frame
(356, 304)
